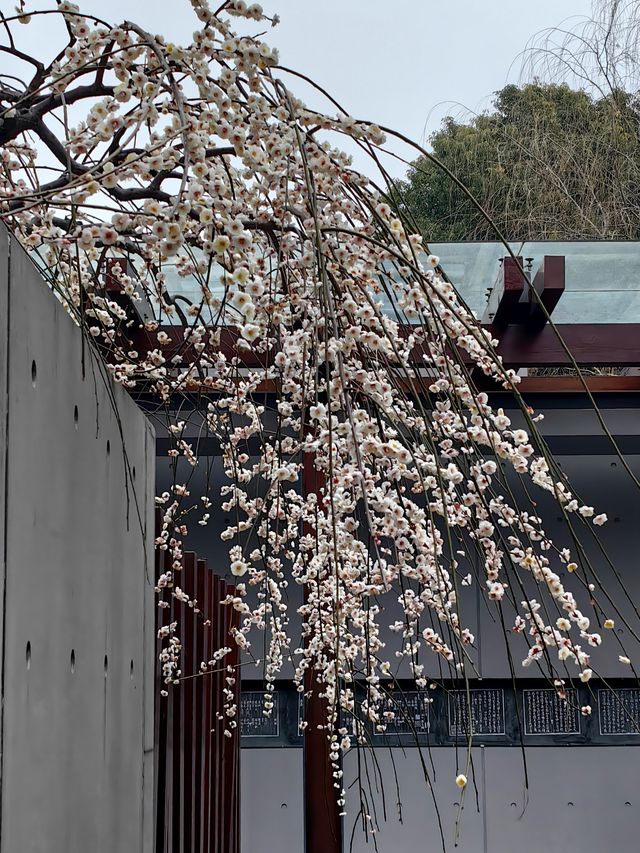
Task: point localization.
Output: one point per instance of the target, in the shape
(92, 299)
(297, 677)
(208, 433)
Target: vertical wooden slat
(207, 718)
(227, 749)
(188, 629)
(159, 740)
(234, 743)
(177, 752)
(217, 734)
(198, 739)
(198, 781)
(163, 757)
(160, 718)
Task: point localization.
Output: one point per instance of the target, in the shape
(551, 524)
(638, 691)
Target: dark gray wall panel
(578, 421)
(79, 615)
(418, 832)
(579, 799)
(271, 800)
(600, 481)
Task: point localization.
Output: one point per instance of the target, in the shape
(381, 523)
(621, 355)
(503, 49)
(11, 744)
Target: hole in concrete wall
(108, 447)
(133, 472)
(73, 660)
(34, 373)
(106, 665)
(131, 670)
(75, 416)
(28, 654)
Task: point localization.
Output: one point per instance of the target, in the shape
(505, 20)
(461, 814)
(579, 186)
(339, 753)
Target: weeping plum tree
(197, 164)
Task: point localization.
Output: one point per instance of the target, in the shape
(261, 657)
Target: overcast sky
(408, 63)
(401, 63)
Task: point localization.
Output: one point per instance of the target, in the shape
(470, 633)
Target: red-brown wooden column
(322, 822)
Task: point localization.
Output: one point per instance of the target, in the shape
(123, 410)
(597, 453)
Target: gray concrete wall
(579, 799)
(77, 596)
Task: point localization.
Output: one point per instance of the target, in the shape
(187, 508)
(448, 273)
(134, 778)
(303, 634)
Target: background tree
(548, 162)
(557, 157)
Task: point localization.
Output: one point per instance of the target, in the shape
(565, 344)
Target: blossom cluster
(363, 464)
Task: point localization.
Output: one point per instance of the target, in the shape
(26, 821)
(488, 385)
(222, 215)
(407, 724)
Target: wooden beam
(142, 341)
(569, 384)
(515, 299)
(548, 283)
(591, 344)
(507, 298)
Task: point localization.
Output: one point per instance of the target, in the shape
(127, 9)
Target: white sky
(401, 63)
